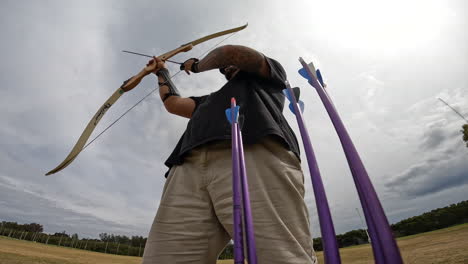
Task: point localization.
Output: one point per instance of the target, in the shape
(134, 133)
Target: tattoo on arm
(213, 60)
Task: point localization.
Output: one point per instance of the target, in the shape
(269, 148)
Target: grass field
(449, 245)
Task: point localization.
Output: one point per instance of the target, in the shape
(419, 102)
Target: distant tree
(228, 252)
(33, 227)
(122, 239)
(353, 237)
(104, 237)
(75, 236)
(465, 134)
(317, 242)
(62, 234)
(10, 225)
(136, 241)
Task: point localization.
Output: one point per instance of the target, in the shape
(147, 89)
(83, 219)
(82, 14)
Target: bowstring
(148, 56)
(147, 95)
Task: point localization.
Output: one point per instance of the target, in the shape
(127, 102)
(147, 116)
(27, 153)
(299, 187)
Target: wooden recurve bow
(127, 86)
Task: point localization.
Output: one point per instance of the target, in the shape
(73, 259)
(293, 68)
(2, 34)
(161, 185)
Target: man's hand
(154, 65)
(190, 65)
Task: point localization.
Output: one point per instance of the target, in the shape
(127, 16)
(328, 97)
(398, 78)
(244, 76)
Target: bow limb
(190, 45)
(127, 86)
(88, 131)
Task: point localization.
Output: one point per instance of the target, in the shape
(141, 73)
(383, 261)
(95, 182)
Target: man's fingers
(158, 60)
(187, 66)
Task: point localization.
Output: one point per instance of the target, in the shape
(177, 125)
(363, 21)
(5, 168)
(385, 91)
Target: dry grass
(448, 246)
(14, 251)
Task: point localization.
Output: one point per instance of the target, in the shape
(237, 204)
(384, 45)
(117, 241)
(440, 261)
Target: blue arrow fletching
(319, 77)
(301, 106)
(236, 114)
(296, 91)
(304, 74)
(291, 107)
(228, 115)
(286, 93)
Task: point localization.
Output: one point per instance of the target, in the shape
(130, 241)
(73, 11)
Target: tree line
(107, 243)
(436, 219)
(134, 246)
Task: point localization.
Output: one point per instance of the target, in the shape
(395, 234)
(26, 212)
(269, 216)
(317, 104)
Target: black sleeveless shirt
(261, 104)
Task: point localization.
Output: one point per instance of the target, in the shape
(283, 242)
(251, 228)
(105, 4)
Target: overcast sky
(385, 62)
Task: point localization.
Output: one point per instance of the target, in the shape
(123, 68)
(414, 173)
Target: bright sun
(382, 25)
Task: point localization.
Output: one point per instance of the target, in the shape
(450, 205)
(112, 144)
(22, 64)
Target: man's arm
(244, 58)
(175, 104)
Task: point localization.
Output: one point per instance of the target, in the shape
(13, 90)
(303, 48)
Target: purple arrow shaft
(236, 191)
(383, 243)
(330, 245)
(248, 221)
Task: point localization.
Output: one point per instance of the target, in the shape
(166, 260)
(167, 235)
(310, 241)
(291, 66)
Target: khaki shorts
(194, 220)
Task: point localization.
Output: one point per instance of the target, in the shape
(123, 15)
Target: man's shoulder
(277, 71)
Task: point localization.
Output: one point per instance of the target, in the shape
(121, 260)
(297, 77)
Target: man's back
(261, 104)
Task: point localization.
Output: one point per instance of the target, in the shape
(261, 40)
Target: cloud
(23, 206)
(436, 137)
(443, 158)
(435, 174)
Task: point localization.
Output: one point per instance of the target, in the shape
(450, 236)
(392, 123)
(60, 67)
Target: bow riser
(169, 54)
(135, 80)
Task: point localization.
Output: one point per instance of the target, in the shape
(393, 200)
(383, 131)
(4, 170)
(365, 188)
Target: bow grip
(132, 82)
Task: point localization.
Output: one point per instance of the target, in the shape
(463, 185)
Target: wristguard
(164, 73)
(194, 67)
